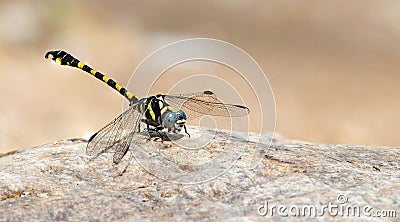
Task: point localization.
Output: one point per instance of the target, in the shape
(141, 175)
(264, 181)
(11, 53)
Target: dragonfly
(157, 112)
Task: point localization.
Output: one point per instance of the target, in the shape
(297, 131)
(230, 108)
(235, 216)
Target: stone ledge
(56, 182)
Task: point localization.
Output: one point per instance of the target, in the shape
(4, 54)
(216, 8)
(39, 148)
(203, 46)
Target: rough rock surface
(59, 182)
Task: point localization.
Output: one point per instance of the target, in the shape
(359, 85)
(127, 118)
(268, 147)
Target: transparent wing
(204, 103)
(117, 134)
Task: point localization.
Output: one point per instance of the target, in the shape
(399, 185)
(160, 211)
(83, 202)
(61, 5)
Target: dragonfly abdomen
(67, 59)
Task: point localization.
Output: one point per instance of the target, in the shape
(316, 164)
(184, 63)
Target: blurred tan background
(333, 66)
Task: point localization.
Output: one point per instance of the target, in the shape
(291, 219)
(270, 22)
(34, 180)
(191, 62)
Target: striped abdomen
(64, 58)
(152, 107)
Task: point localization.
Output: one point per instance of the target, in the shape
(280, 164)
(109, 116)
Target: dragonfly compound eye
(181, 115)
(170, 119)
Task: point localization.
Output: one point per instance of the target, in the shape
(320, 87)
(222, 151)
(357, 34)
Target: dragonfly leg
(154, 130)
(157, 129)
(148, 132)
(184, 126)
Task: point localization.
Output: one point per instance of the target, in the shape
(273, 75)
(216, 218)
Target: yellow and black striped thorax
(153, 108)
(67, 59)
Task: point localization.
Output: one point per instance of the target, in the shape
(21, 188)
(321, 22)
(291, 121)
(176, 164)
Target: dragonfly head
(174, 121)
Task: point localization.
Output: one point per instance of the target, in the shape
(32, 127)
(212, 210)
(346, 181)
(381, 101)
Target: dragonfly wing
(204, 103)
(117, 134)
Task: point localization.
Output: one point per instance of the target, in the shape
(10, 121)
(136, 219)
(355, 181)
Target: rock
(164, 182)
